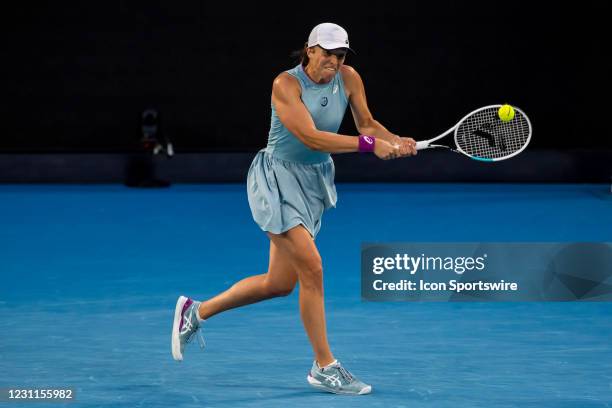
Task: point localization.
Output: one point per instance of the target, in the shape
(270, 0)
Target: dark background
(78, 77)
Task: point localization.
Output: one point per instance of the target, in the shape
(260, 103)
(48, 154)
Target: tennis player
(290, 183)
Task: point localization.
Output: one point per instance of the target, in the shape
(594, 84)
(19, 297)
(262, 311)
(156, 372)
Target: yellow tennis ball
(506, 113)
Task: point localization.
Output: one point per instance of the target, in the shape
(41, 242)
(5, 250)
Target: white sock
(200, 320)
(327, 366)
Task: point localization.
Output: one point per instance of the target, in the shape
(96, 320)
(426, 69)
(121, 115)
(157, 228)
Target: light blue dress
(289, 184)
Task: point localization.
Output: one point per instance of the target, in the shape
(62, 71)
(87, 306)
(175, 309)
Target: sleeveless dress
(289, 184)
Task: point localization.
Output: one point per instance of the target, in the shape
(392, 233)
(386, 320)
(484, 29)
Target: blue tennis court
(91, 274)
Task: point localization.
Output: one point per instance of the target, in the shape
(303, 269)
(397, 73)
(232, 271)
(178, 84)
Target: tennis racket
(482, 135)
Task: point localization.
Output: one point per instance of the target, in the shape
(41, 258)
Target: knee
(280, 291)
(311, 274)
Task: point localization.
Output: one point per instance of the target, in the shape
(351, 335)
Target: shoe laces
(201, 342)
(344, 373)
(197, 330)
(199, 336)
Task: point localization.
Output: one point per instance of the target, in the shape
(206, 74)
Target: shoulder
(349, 74)
(351, 78)
(285, 81)
(284, 85)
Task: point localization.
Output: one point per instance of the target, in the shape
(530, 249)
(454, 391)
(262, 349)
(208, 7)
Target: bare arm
(364, 121)
(293, 114)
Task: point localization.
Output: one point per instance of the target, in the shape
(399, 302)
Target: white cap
(329, 36)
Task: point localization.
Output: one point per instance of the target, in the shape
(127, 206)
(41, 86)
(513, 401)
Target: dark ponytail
(301, 55)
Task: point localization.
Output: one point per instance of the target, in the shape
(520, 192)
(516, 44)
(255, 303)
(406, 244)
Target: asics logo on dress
(324, 101)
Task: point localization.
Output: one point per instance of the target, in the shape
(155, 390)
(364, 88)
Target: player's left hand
(407, 146)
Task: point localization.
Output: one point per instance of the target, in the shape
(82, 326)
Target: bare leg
(298, 247)
(279, 281)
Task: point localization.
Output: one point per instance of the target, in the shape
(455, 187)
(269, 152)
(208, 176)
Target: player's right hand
(385, 150)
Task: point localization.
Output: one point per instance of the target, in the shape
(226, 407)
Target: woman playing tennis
(290, 184)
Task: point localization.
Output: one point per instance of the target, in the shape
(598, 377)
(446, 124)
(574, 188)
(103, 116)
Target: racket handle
(423, 144)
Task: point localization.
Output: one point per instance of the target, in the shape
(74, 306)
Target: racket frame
(427, 144)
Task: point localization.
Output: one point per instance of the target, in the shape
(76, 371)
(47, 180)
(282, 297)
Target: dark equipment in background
(140, 170)
(152, 137)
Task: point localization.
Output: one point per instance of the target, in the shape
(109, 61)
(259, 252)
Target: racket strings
(484, 135)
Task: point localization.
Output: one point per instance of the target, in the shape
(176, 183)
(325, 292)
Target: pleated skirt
(283, 194)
